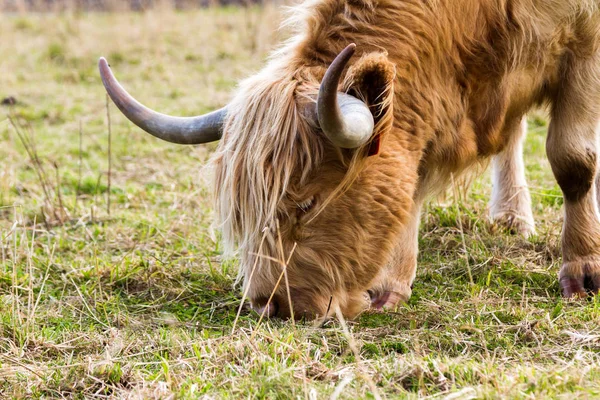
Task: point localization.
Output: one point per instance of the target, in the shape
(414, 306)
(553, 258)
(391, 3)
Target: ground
(119, 289)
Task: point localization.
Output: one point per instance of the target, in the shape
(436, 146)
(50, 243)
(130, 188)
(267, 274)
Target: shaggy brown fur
(448, 82)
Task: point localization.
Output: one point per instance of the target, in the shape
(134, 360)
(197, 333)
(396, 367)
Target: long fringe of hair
(267, 143)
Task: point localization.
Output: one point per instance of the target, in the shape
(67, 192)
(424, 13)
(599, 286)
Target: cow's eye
(306, 205)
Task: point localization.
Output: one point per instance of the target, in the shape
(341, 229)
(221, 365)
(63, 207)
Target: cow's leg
(394, 283)
(572, 149)
(511, 203)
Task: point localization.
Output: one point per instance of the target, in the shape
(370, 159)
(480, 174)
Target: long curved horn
(343, 118)
(181, 130)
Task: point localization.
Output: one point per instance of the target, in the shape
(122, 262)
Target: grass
(138, 302)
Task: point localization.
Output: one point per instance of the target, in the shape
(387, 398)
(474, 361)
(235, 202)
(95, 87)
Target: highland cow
(326, 156)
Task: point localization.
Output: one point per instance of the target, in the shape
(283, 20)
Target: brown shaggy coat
(449, 83)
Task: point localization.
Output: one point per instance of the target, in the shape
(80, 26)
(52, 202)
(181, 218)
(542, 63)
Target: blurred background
(114, 5)
(180, 57)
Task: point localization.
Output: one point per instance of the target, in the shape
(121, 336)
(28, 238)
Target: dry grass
(139, 304)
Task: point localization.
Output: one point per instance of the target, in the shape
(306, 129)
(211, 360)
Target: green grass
(139, 302)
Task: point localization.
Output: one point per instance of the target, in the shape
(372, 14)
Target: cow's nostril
(269, 310)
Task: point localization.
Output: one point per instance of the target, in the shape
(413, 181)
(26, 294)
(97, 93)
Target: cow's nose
(269, 310)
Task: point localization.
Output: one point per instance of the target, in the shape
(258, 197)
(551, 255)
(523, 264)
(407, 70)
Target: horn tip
(349, 50)
(102, 63)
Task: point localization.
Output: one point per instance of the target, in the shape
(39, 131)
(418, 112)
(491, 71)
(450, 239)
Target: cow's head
(297, 194)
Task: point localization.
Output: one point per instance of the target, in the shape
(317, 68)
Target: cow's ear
(371, 79)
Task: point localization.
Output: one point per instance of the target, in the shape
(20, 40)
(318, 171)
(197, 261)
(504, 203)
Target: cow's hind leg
(394, 283)
(572, 149)
(511, 203)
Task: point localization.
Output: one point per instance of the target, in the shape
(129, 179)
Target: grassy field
(117, 289)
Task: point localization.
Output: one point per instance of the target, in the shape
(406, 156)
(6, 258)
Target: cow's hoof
(516, 224)
(580, 278)
(390, 298)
